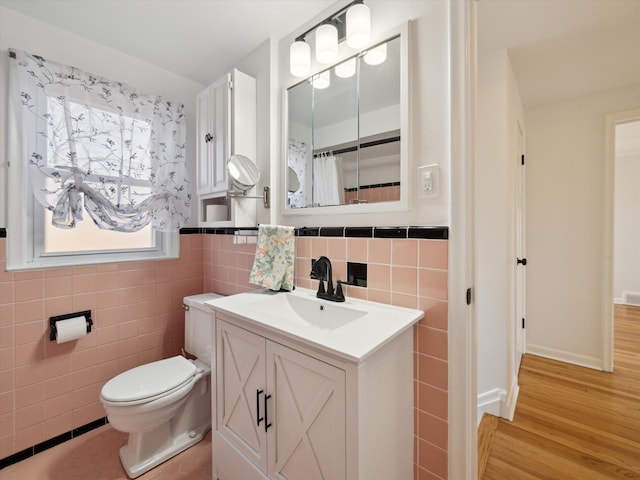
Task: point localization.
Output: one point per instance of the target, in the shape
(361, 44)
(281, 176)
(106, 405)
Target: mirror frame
(403, 31)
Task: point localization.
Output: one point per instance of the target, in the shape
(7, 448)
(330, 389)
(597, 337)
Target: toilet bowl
(165, 406)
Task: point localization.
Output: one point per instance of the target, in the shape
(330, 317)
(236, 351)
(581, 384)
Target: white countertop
(366, 327)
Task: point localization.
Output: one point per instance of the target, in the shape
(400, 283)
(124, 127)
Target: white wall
(626, 257)
(371, 123)
(499, 111)
(24, 33)
(258, 65)
(565, 221)
(429, 137)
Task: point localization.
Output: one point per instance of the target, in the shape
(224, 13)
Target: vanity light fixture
(352, 22)
(358, 26)
(326, 44)
(300, 58)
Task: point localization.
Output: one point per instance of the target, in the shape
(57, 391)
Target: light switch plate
(428, 181)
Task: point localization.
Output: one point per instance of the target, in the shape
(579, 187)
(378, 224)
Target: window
(97, 172)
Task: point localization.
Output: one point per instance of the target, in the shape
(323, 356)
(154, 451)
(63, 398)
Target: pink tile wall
(47, 389)
(408, 273)
(372, 195)
(227, 263)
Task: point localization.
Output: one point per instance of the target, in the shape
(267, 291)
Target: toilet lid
(148, 380)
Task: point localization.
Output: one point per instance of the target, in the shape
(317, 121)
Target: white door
(241, 388)
(307, 436)
(521, 260)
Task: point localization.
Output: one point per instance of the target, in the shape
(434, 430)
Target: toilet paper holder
(53, 331)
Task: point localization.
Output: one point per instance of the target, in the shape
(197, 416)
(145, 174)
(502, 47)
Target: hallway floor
(573, 422)
(94, 456)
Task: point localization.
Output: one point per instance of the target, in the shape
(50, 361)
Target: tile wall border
(416, 232)
(419, 232)
(52, 442)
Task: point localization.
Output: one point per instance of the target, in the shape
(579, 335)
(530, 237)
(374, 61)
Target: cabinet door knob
(258, 417)
(208, 137)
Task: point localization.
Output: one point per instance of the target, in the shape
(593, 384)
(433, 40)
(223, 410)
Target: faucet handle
(339, 295)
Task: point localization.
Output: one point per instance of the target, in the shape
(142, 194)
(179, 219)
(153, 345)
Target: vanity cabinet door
(307, 439)
(282, 410)
(204, 147)
(241, 375)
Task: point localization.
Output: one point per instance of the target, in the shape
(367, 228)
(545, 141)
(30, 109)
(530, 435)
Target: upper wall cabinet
(226, 126)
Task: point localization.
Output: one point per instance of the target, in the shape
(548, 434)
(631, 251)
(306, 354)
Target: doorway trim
(462, 444)
(520, 272)
(607, 262)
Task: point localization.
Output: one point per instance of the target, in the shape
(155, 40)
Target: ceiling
(562, 49)
(197, 39)
(558, 48)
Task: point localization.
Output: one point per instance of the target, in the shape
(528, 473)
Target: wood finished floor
(572, 422)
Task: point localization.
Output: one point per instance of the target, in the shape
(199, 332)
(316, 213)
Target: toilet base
(159, 446)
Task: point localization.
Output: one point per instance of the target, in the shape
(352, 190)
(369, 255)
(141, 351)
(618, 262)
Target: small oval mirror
(243, 173)
(293, 182)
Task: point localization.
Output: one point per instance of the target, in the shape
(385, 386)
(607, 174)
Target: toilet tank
(197, 326)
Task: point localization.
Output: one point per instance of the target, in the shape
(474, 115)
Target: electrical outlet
(428, 181)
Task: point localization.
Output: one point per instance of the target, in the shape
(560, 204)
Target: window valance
(99, 146)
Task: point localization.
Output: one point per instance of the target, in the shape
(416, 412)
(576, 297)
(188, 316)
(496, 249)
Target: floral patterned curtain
(99, 146)
(297, 160)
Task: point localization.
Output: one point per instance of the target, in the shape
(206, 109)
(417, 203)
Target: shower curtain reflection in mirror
(327, 180)
(297, 160)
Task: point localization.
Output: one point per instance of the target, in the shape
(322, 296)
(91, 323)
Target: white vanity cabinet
(279, 408)
(284, 409)
(225, 126)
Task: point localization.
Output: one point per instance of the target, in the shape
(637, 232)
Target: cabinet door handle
(266, 413)
(258, 417)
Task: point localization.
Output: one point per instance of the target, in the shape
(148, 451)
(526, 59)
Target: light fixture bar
(338, 19)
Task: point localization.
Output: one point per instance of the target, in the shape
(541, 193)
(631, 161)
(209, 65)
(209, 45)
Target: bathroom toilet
(165, 406)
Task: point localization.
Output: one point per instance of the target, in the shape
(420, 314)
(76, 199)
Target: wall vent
(631, 298)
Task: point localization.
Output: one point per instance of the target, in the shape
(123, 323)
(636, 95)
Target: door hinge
(230, 84)
(468, 296)
(521, 159)
(523, 322)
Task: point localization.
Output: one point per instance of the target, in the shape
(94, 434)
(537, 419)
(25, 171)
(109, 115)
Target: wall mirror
(345, 132)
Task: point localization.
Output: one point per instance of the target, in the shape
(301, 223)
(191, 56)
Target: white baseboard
(491, 402)
(509, 405)
(568, 357)
(618, 301)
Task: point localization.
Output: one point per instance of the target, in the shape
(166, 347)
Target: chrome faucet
(321, 270)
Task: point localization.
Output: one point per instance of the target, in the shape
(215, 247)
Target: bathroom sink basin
(352, 329)
(313, 311)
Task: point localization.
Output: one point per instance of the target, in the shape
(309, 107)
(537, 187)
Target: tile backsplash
(407, 272)
(47, 389)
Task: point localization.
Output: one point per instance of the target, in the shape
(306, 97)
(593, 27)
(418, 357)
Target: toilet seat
(148, 382)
